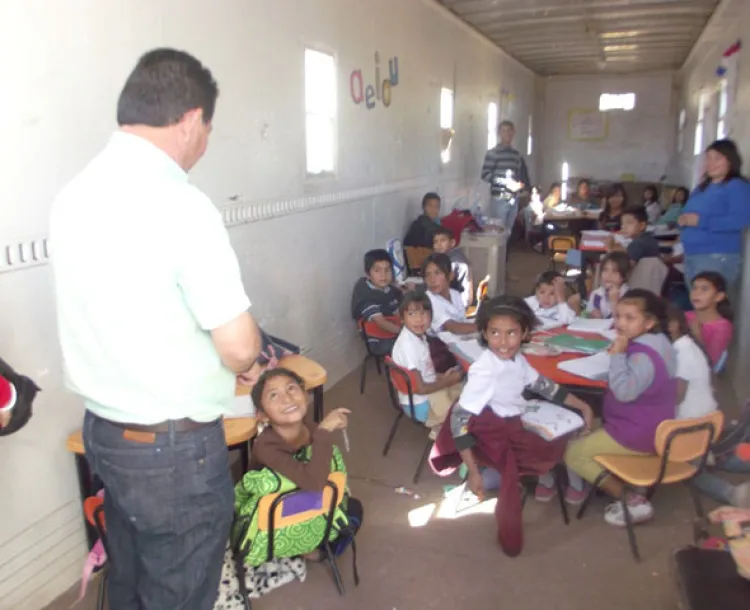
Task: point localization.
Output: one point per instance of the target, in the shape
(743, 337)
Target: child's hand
(619, 345)
(588, 416)
(696, 328)
(476, 484)
(559, 285)
(453, 376)
(335, 420)
(596, 314)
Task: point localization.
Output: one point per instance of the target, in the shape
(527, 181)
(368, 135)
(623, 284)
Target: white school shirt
(605, 306)
(144, 270)
(557, 315)
(444, 310)
(654, 212)
(413, 353)
(498, 384)
(693, 367)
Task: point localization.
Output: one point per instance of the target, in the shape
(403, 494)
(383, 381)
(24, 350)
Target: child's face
(437, 282)
(611, 277)
(679, 197)
(283, 401)
(416, 318)
(615, 201)
(381, 274)
(545, 294)
(703, 295)
(631, 321)
(442, 243)
(432, 208)
(504, 336)
(631, 227)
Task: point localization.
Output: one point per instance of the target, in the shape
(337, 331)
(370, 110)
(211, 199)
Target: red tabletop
(547, 365)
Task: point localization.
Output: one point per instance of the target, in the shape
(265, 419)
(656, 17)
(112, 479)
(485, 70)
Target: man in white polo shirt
(154, 329)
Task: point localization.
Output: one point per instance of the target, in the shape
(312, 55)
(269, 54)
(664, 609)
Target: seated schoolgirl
(614, 204)
(712, 316)
(614, 270)
(485, 426)
(642, 392)
(548, 301)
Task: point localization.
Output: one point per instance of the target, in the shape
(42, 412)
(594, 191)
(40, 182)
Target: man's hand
(335, 420)
(251, 377)
(5, 417)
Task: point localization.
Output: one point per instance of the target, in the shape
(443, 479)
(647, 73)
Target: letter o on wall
(386, 93)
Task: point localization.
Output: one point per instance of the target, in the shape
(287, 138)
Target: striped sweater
(496, 164)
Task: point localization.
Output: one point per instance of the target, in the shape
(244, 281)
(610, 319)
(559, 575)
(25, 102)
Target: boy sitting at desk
(634, 221)
(375, 299)
(423, 228)
(444, 242)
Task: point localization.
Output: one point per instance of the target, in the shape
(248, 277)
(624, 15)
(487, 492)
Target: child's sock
(574, 481)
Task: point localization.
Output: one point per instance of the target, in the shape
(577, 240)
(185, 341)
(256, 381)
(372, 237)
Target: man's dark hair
(636, 211)
(376, 256)
(163, 86)
(506, 123)
(429, 197)
(416, 297)
(266, 376)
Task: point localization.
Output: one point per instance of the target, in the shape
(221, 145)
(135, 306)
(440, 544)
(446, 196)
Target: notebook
(550, 421)
(594, 367)
(590, 325)
(573, 343)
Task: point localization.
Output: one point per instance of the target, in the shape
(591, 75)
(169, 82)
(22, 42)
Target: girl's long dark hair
(681, 189)
(618, 187)
(727, 149)
(724, 307)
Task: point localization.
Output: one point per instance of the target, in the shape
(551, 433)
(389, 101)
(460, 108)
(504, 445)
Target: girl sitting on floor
(485, 425)
(711, 318)
(642, 392)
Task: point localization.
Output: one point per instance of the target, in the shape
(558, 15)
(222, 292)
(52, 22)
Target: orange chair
(368, 330)
(682, 448)
(481, 295)
(558, 246)
(404, 381)
(415, 257)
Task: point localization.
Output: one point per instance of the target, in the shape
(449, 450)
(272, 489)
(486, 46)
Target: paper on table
(594, 367)
(593, 243)
(466, 346)
(241, 407)
(610, 334)
(596, 234)
(592, 325)
(550, 421)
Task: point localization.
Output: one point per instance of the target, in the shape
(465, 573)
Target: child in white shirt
(548, 301)
(434, 393)
(695, 392)
(615, 268)
(448, 311)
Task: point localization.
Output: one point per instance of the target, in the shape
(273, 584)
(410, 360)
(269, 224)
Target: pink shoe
(544, 494)
(575, 497)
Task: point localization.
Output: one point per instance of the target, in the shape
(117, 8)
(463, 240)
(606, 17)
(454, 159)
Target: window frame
(445, 155)
(332, 173)
(604, 107)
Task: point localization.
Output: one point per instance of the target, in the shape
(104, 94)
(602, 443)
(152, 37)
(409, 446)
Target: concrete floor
(448, 563)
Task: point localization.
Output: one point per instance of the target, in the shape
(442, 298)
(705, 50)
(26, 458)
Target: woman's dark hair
(727, 149)
(266, 376)
(429, 197)
(651, 305)
(682, 190)
(416, 297)
(514, 307)
(676, 314)
(654, 193)
(620, 260)
(614, 190)
(724, 307)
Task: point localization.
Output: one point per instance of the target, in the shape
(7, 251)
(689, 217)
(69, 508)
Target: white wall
(638, 142)
(300, 241)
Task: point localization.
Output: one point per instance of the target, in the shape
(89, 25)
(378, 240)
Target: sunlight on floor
(451, 508)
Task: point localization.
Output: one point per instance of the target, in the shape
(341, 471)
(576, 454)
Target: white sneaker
(640, 511)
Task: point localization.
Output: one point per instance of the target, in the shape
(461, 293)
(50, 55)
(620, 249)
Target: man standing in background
(154, 329)
(505, 170)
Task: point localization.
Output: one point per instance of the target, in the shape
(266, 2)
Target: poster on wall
(587, 125)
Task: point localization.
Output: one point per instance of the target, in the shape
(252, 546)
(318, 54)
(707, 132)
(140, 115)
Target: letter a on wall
(357, 86)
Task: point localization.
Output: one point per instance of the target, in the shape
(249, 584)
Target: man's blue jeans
(717, 488)
(168, 506)
(506, 210)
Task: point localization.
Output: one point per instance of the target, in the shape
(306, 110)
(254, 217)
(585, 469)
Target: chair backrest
(483, 288)
(415, 256)
(370, 329)
(649, 274)
(685, 440)
(400, 380)
(561, 243)
(395, 248)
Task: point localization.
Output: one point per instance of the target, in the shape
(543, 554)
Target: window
(446, 120)
(491, 125)
(320, 112)
(530, 138)
(721, 125)
(681, 130)
(698, 144)
(616, 101)
(564, 175)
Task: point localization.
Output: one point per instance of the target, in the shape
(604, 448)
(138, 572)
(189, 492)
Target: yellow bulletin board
(587, 125)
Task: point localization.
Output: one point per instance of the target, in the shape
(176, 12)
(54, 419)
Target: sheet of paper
(597, 234)
(241, 407)
(591, 325)
(550, 421)
(594, 367)
(467, 347)
(593, 243)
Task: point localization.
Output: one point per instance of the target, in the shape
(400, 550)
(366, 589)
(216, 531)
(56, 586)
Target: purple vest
(633, 424)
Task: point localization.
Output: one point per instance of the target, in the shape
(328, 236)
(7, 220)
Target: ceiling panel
(585, 36)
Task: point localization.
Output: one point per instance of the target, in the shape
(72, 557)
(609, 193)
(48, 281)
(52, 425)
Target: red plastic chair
(93, 510)
(368, 330)
(404, 381)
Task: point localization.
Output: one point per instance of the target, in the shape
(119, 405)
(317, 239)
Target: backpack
(273, 523)
(26, 391)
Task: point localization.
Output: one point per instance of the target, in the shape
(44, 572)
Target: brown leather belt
(180, 425)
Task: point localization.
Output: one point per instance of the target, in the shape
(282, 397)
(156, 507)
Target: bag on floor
(25, 391)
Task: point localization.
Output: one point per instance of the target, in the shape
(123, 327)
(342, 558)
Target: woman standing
(715, 216)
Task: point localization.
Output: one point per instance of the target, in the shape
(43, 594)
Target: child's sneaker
(639, 508)
(543, 493)
(575, 497)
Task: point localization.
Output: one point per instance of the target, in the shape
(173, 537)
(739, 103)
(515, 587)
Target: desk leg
(318, 404)
(87, 489)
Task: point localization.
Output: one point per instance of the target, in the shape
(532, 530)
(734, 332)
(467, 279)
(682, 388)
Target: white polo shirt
(444, 310)
(498, 384)
(413, 353)
(557, 315)
(143, 272)
(693, 367)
